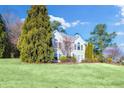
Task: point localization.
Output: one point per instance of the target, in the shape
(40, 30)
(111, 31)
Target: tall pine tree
(35, 43)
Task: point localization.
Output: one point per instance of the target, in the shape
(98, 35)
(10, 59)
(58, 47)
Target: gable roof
(75, 37)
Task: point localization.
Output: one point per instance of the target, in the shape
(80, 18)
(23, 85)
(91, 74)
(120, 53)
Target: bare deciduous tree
(13, 26)
(114, 53)
(67, 45)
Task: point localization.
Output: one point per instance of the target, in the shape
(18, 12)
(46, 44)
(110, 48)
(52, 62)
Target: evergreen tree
(35, 43)
(89, 54)
(55, 25)
(4, 47)
(101, 39)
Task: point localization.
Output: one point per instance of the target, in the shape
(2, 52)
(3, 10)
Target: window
(78, 46)
(55, 56)
(81, 47)
(75, 46)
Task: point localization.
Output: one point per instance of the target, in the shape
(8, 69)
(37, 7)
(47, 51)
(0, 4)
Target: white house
(76, 47)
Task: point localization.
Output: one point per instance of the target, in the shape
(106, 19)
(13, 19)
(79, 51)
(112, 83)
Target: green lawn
(14, 73)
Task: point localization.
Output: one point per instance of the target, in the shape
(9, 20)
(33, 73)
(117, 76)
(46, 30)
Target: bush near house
(94, 60)
(109, 60)
(65, 59)
(122, 62)
(73, 59)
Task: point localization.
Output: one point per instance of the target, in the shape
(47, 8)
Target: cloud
(61, 20)
(121, 22)
(78, 22)
(75, 22)
(120, 33)
(84, 23)
(121, 45)
(66, 24)
(121, 14)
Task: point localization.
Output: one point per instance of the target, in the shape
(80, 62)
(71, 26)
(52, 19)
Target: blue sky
(81, 19)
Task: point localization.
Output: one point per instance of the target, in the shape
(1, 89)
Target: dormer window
(78, 46)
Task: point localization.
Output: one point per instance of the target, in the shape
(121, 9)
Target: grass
(14, 73)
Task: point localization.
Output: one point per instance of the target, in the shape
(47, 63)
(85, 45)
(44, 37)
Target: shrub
(73, 59)
(122, 62)
(109, 60)
(87, 61)
(95, 59)
(63, 58)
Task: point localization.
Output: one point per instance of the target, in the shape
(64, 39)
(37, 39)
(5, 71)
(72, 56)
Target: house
(68, 45)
